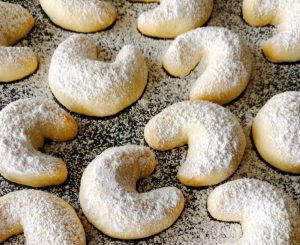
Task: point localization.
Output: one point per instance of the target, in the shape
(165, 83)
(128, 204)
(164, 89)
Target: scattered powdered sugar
(79, 76)
(267, 214)
(226, 57)
(181, 11)
(110, 201)
(20, 121)
(282, 115)
(214, 135)
(45, 218)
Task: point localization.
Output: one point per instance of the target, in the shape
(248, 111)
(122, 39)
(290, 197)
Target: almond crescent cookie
(91, 87)
(284, 46)
(23, 126)
(216, 140)
(267, 214)
(109, 199)
(44, 218)
(15, 62)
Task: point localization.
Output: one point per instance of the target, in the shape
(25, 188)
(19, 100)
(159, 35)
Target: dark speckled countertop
(194, 226)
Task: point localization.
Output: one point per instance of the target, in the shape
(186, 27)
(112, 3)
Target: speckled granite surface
(195, 226)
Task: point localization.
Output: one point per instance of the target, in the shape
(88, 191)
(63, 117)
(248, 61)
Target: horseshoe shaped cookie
(15, 62)
(216, 140)
(80, 15)
(109, 199)
(23, 126)
(284, 46)
(267, 215)
(91, 87)
(226, 61)
(43, 217)
(174, 17)
(276, 131)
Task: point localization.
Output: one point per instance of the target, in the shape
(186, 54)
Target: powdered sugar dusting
(214, 135)
(109, 198)
(45, 218)
(282, 115)
(20, 121)
(76, 73)
(267, 214)
(226, 57)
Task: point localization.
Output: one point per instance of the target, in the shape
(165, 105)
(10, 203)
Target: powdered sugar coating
(173, 17)
(92, 87)
(226, 61)
(15, 23)
(80, 15)
(279, 122)
(24, 125)
(44, 218)
(110, 201)
(285, 14)
(267, 214)
(215, 137)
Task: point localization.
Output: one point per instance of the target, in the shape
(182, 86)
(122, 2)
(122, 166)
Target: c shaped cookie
(15, 62)
(216, 140)
(23, 126)
(267, 214)
(284, 46)
(226, 61)
(91, 87)
(44, 219)
(174, 17)
(80, 15)
(109, 199)
(276, 131)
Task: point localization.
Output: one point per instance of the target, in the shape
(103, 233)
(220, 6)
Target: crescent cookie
(174, 17)
(284, 46)
(23, 126)
(109, 199)
(80, 15)
(224, 56)
(44, 219)
(215, 137)
(276, 132)
(15, 62)
(91, 87)
(267, 214)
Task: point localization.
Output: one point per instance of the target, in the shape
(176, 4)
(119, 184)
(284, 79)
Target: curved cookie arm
(216, 140)
(44, 218)
(109, 199)
(284, 46)
(174, 17)
(267, 215)
(91, 87)
(15, 62)
(80, 15)
(20, 136)
(226, 59)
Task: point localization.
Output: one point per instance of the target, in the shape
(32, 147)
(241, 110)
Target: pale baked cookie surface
(91, 87)
(43, 217)
(23, 126)
(80, 15)
(215, 138)
(276, 131)
(174, 17)
(224, 56)
(110, 201)
(267, 214)
(15, 62)
(284, 46)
